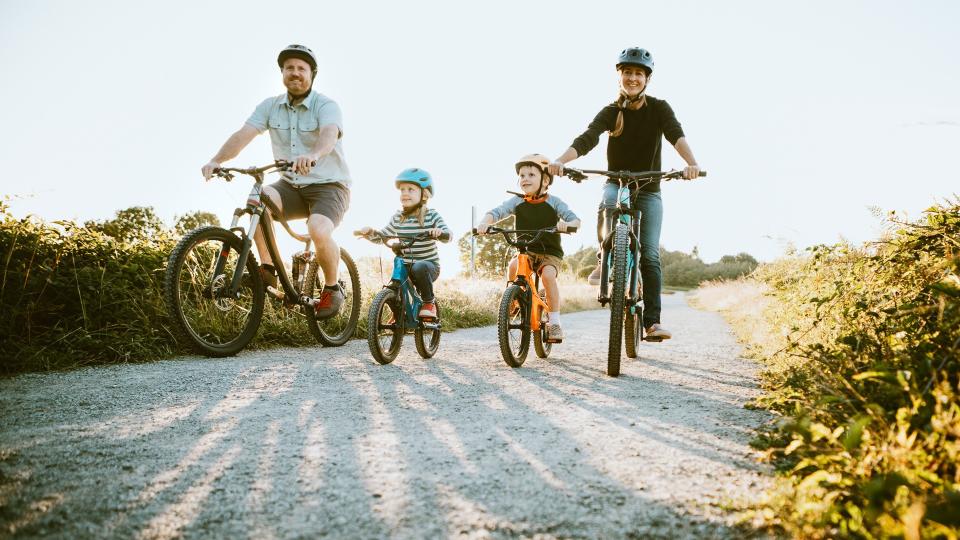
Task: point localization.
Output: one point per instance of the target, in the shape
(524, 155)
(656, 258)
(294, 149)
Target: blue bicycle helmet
(637, 57)
(416, 176)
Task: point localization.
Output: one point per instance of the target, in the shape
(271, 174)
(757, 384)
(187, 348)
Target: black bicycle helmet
(637, 57)
(298, 51)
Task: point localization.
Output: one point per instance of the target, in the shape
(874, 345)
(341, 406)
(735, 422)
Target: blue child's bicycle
(394, 309)
(620, 250)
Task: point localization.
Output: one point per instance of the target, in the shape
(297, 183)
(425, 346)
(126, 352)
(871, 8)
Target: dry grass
(744, 303)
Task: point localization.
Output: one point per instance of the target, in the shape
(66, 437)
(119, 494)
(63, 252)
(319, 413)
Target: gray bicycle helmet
(637, 57)
(298, 51)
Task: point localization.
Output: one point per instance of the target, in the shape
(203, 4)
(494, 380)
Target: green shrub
(867, 378)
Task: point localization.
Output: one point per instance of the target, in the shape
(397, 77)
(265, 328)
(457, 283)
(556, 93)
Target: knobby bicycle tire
(215, 327)
(633, 331)
(385, 306)
(540, 344)
(507, 317)
(620, 244)
(338, 329)
(427, 339)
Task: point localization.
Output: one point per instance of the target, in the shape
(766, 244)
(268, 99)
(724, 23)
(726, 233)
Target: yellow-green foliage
(74, 295)
(865, 366)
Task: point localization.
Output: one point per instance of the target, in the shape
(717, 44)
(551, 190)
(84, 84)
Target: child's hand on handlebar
(562, 226)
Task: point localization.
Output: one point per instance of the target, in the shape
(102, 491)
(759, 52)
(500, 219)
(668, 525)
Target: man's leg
(328, 252)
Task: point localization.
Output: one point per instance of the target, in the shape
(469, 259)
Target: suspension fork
(246, 241)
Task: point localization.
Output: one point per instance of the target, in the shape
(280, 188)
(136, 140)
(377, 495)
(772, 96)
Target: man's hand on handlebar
(691, 172)
(482, 228)
(555, 168)
(207, 170)
(303, 164)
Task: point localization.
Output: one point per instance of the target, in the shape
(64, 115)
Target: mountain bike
(214, 292)
(523, 307)
(394, 310)
(620, 285)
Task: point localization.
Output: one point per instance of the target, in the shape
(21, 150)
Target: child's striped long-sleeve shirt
(423, 249)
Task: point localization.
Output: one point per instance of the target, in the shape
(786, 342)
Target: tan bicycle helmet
(539, 161)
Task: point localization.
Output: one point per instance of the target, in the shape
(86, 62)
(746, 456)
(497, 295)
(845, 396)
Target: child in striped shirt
(413, 218)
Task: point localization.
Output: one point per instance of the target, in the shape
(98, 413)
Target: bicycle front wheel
(385, 326)
(620, 245)
(513, 326)
(336, 330)
(199, 272)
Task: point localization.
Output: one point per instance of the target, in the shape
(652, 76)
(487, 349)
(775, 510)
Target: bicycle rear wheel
(620, 244)
(336, 330)
(513, 326)
(540, 344)
(427, 339)
(204, 316)
(633, 331)
(385, 326)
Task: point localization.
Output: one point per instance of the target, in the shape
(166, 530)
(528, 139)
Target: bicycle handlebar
(579, 175)
(520, 243)
(279, 165)
(409, 239)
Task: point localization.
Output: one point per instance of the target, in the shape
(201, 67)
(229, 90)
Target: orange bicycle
(523, 307)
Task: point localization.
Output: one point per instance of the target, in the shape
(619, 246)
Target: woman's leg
(650, 206)
(608, 203)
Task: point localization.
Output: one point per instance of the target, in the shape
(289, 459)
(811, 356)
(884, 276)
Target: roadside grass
(861, 348)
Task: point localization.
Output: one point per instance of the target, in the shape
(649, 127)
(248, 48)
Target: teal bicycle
(620, 285)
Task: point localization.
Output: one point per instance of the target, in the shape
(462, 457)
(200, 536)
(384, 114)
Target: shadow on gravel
(323, 442)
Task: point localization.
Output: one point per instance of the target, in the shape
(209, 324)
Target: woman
(637, 123)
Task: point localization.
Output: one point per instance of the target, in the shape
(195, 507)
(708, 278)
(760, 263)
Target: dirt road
(314, 442)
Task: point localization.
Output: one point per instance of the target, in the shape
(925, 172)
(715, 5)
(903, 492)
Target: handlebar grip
(703, 173)
(474, 231)
(571, 230)
(444, 237)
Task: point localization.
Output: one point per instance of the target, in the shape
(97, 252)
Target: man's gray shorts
(331, 200)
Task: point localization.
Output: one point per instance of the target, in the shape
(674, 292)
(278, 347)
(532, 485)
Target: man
(305, 128)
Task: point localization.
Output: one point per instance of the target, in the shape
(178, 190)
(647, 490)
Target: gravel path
(313, 442)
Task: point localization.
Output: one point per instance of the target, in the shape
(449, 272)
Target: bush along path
(77, 295)
(863, 354)
(312, 442)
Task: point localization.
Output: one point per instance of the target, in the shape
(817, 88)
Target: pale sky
(806, 114)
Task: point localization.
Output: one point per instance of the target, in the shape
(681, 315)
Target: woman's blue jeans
(650, 206)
